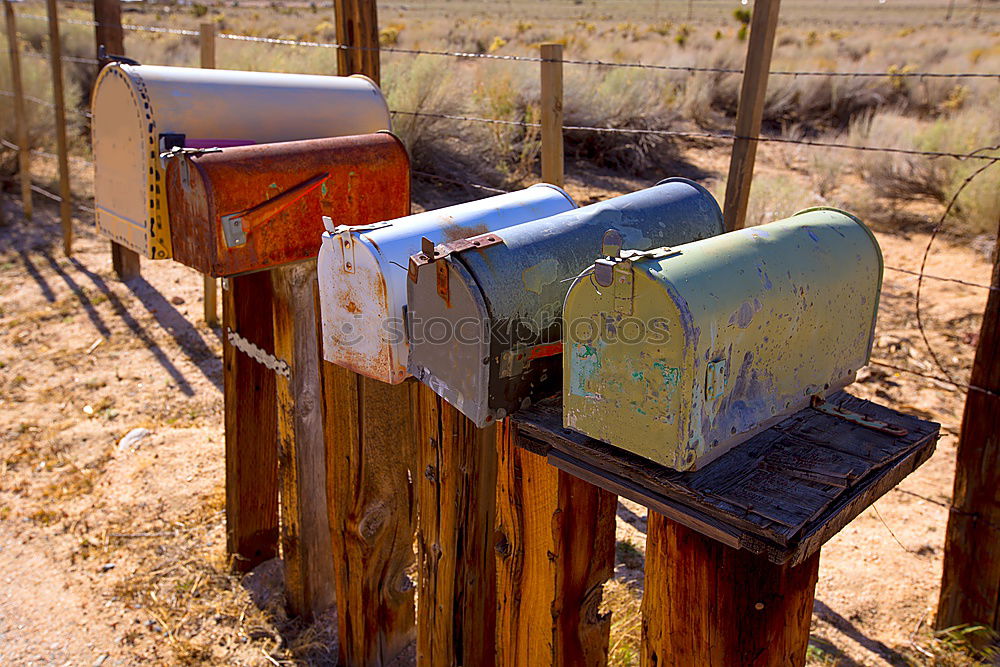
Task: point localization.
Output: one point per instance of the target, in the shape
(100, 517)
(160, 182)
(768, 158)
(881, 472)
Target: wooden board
(555, 545)
(305, 531)
(784, 492)
(456, 493)
(370, 455)
(251, 425)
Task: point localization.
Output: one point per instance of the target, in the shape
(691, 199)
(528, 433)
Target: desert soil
(113, 552)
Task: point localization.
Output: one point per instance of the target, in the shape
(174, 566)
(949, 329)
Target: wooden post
(206, 39)
(370, 457)
(705, 603)
(251, 424)
(555, 547)
(357, 29)
(55, 62)
(109, 34)
(371, 453)
(552, 113)
(305, 530)
(970, 589)
(763, 26)
(456, 494)
(20, 118)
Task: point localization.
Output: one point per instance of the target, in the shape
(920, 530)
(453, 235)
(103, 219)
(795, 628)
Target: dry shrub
(619, 98)
(420, 85)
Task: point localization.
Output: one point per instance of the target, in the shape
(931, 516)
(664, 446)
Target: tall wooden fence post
(305, 528)
(456, 496)
(20, 117)
(970, 589)
(370, 457)
(552, 113)
(251, 423)
(555, 549)
(55, 59)
(705, 603)
(206, 39)
(109, 34)
(763, 26)
(357, 30)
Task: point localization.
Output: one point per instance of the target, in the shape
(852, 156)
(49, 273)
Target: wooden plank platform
(783, 493)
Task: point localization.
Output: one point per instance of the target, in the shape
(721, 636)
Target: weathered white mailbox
(362, 274)
(680, 353)
(485, 313)
(141, 111)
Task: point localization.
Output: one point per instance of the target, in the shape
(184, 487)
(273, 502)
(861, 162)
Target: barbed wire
(38, 55)
(725, 136)
(942, 278)
(528, 59)
(445, 179)
(45, 103)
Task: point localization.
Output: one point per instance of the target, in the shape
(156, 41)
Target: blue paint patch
(813, 236)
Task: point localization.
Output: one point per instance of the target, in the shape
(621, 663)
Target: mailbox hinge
(257, 354)
(431, 253)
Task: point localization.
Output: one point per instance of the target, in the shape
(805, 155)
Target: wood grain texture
(108, 33)
(709, 605)
(750, 111)
(357, 27)
(456, 494)
(206, 41)
(552, 113)
(62, 147)
(784, 492)
(370, 455)
(305, 531)
(970, 588)
(251, 425)
(20, 117)
(555, 548)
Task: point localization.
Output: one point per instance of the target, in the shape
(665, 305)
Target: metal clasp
(431, 253)
(820, 403)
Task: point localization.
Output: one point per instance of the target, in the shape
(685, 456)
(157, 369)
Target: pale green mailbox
(678, 354)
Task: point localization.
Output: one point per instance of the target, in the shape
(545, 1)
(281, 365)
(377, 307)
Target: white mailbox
(363, 270)
(141, 111)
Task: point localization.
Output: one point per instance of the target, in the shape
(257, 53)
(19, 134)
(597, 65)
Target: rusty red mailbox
(251, 208)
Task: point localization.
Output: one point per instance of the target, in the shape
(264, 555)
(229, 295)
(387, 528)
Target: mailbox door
(141, 110)
(362, 279)
(756, 322)
(273, 197)
(524, 279)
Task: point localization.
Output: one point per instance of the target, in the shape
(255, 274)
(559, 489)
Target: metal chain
(257, 354)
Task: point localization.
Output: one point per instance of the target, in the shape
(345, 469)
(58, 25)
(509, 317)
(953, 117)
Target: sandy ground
(113, 554)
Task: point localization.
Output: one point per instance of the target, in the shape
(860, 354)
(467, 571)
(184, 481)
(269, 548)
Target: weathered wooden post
(970, 588)
(55, 62)
(763, 26)
(109, 34)
(705, 603)
(20, 118)
(552, 113)
(555, 549)
(206, 42)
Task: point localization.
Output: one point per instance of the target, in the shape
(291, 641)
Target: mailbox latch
(235, 226)
(431, 253)
(614, 269)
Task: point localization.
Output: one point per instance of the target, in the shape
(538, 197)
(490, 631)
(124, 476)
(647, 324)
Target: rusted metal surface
(721, 338)
(141, 111)
(821, 404)
(490, 350)
(279, 194)
(362, 272)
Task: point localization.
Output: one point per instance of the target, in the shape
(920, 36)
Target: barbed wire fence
(469, 117)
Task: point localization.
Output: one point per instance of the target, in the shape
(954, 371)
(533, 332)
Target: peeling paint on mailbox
(494, 345)
(252, 208)
(141, 111)
(741, 330)
(362, 274)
